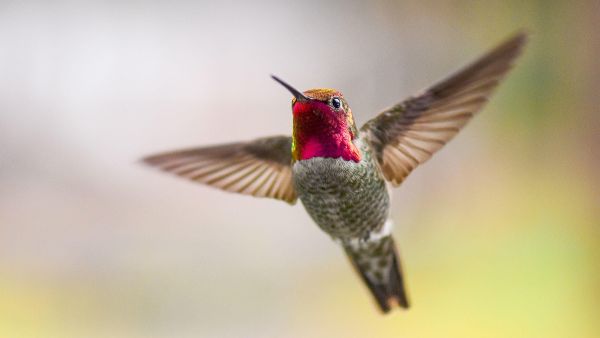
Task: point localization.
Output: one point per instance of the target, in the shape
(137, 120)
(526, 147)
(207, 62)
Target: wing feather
(409, 133)
(260, 168)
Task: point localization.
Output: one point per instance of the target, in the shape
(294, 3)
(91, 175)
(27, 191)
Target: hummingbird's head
(323, 125)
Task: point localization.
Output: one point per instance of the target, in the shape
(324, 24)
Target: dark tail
(376, 261)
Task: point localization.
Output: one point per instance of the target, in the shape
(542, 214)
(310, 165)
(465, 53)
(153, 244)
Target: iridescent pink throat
(319, 131)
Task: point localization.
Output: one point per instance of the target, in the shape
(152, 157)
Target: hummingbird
(342, 173)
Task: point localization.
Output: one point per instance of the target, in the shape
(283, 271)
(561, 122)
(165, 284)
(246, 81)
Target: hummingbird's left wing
(409, 133)
(261, 167)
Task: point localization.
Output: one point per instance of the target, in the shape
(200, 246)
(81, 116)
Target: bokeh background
(499, 232)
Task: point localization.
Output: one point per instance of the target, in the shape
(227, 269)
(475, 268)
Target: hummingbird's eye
(336, 103)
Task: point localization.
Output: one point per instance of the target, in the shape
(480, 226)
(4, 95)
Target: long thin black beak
(297, 94)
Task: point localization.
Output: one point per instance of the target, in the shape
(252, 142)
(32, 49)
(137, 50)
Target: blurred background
(499, 232)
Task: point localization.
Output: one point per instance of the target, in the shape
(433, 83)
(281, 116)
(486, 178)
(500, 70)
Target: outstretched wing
(410, 132)
(261, 167)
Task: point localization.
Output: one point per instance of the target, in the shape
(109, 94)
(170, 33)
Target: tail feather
(377, 263)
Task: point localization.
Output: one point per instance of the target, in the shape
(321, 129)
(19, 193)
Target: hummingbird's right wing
(409, 133)
(261, 167)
